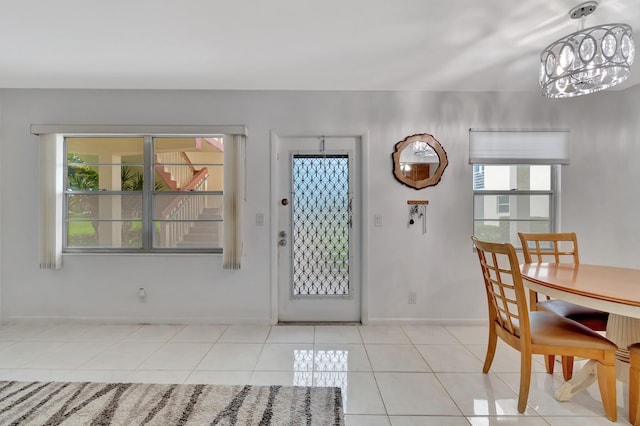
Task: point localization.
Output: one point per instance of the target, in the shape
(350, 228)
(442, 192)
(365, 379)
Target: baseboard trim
(285, 323)
(427, 321)
(37, 320)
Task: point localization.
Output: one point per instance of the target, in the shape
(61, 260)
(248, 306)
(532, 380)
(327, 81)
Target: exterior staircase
(172, 170)
(206, 232)
(189, 223)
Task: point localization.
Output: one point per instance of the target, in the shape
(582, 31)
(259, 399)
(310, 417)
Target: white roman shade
(518, 146)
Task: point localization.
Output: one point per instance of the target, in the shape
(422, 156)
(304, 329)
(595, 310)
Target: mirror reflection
(419, 161)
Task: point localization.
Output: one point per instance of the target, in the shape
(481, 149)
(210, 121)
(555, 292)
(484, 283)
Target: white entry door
(318, 229)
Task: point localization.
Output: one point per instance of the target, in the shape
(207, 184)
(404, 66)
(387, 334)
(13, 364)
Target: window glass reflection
(329, 369)
(481, 407)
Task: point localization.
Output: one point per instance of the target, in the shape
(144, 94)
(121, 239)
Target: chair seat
(549, 329)
(592, 318)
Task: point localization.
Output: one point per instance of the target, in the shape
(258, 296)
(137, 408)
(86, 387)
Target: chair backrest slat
(550, 247)
(553, 247)
(504, 288)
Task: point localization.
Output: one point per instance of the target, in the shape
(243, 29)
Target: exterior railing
(178, 216)
(174, 166)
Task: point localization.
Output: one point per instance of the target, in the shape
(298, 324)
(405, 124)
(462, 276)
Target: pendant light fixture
(588, 60)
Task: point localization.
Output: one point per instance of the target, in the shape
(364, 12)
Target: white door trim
(363, 137)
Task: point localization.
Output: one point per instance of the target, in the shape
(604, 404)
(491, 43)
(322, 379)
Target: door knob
(282, 242)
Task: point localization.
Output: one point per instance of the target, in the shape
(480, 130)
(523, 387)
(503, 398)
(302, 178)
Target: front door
(318, 229)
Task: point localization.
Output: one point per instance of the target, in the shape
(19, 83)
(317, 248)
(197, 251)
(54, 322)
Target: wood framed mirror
(419, 161)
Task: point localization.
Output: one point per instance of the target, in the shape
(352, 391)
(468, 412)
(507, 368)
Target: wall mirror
(419, 161)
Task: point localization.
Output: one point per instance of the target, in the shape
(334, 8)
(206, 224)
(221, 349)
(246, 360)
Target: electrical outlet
(142, 295)
(413, 297)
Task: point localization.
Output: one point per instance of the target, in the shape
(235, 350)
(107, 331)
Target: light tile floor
(390, 375)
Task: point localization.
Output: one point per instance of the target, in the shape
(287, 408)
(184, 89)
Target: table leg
(580, 381)
(622, 331)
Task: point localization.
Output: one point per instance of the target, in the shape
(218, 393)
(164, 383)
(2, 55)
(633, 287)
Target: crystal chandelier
(588, 60)
(422, 149)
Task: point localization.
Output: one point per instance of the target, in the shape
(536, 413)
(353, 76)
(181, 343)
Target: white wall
(601, 205)
(1, 208)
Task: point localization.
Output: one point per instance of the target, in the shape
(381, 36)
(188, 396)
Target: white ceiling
(443, 45)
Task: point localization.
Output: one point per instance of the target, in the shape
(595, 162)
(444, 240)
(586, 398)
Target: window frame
(518, 147)
(552, 193)
(53, 159)
(149, 196)
(500, 204)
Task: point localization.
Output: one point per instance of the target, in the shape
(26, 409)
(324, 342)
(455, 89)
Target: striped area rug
(70, 403)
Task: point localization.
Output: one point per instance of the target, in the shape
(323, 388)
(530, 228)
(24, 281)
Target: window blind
(518, 146)
(233, 196)
(51, 153)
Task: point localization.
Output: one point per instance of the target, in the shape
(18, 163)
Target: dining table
(608, 288)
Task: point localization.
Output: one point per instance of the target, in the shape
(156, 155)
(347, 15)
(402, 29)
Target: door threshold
(319, 323)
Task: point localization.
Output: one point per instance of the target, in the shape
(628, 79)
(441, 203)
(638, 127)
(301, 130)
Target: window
(141, 189)
(515, 174)
(512, 198)
(503, 205)
(143, 193)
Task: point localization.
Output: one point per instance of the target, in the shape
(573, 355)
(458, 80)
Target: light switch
(377, 220)
(259, 219)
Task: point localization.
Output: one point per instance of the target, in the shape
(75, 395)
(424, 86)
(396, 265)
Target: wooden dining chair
(634, 384)
(537, 332)
(559, 247)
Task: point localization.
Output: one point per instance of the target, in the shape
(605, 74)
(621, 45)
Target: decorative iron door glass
(321, 218)
(317, 232)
